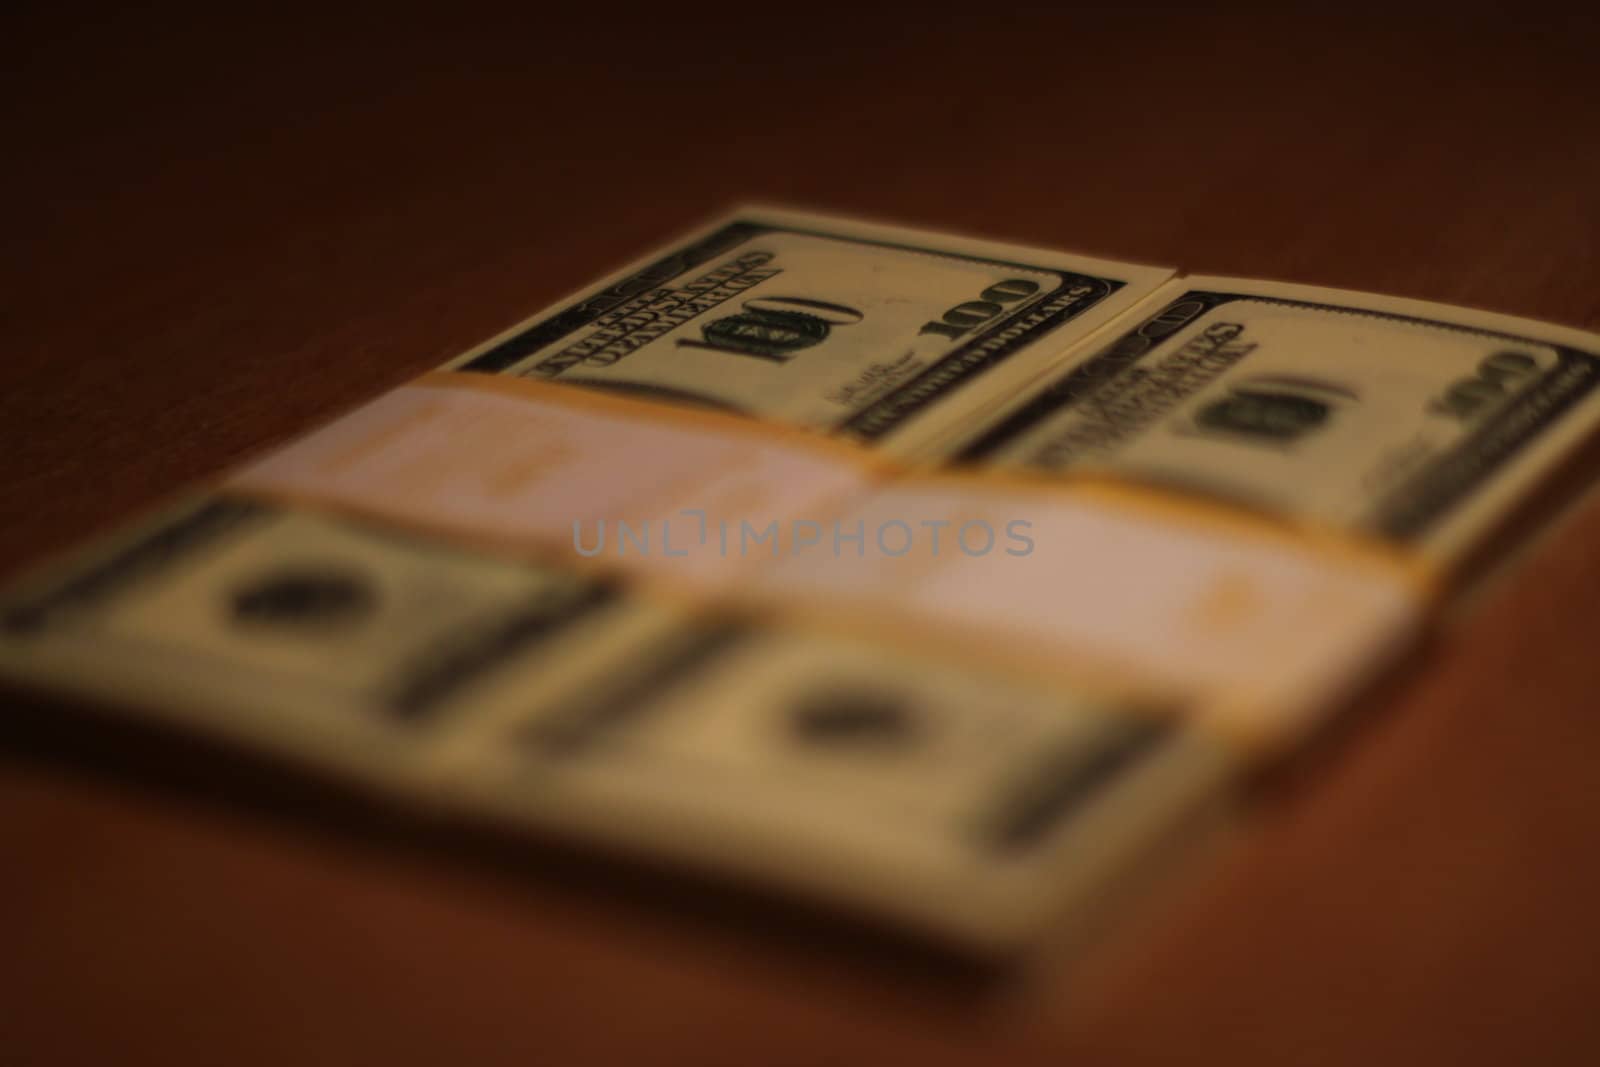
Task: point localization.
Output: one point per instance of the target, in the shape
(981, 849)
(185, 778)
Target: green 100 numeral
(963, 317)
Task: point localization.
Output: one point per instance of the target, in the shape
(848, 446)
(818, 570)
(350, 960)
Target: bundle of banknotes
(945, 581)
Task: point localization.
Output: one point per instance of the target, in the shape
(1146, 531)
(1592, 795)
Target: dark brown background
(218, 233)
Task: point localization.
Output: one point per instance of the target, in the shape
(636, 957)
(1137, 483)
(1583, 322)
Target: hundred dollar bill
(337, 637)
(968, 803)
(974, 804)
(881, 334)
(354, 647)
(1417, 423)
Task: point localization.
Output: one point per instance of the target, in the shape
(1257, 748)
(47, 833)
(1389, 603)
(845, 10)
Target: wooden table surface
(219, 233)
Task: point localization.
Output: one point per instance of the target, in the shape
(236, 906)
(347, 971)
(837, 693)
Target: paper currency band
(381, 456)
(1184, 594)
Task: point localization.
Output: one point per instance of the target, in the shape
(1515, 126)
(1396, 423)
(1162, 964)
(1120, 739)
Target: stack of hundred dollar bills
(944, 581)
